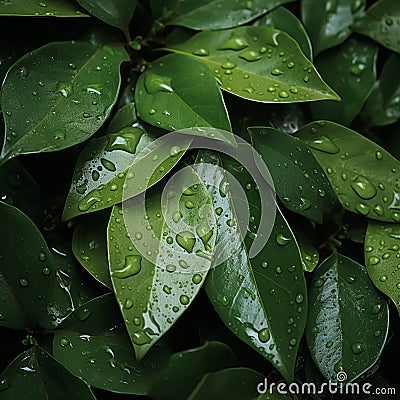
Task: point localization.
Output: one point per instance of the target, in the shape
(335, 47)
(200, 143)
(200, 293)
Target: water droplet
(364, 188)
(201, 52)
(357, 348)
(140, 338)
(174, 151)
(128, 304)
(264, 335)
(363, 209)
(23, 71)
(318, 283)
(325, 144)
(132, 266)
(156, 83)
(376, 309)
(293, 341)
(383, 278)
(167, 289)
(228, 65)
(264, 264)
(235, 43)
(357, 69)
(110, 166)
(184, 300)
(171, 268)
(350, 279)
(152, 111)
(282, 240)
(197, 278)
(189, 204)
(4, 384)
(276, 72)
(283, 94)
(329, 344)
(24, 282)
(250, 55)
(378, 209)
(373, 260)
(84, 314)
(357, 5)
(219, 211)
(186, 240)
(299, 298)
(64, 342)
(46, 271)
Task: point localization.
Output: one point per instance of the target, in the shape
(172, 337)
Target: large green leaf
(211, 14)
(30, 292)
(59, 95)
(178, 92)
(299, 180)
(117, 13)
(328, 22)
(281, 18)
(348, 319)
(382, 258)
(48, 8)
(109, 163)
(36, 375)
(258, 63)
(89, 244)
(364, 176)
(350, 69)
(380, 23)
(263, 299)
(166, 264)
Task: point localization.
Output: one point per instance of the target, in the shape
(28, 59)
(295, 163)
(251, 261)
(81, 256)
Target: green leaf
(166, 264)
(117, 13)
(110, 169)
(94, 346)
(48, 8)
(382, 258)
(178, 92)
(380, 23)
(383, 104)
(299, 181)
(210, 14)
(232, 383)
(262, 300)
(350, 69)
(30, 291)
(89, 244)
(348, 319)
(123, 118)
(258, 63)
(364, 176)
(306, 241)
(328, 22)
(56, 96)
(36, 375)
(282, 19)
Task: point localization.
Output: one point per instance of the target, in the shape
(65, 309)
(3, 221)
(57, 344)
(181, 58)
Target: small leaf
(328, 22)
(166, 264)
(382, 258)
(258, 63)
(176, 92)
(299, 180)
(28, 278)
(89, 244)
(380, 23)
(364, 176)
(352, 77)
(210, 14)
(36, 375)
(282, 19)
(348, 319)
(117, 13)
(55, 97)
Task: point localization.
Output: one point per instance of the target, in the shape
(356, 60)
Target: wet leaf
(352, 78)
(262, 300)
(380, 23)
(348, 319)
(382, 258)
(163, 250)
(305, 236)
(299, 180)
(364, 176)
(328, 21)
(282, 19)
(30, 291)
(125, 117)
(36, 375)
(89, 244)
(258, 63)
(176, 92)
(48, 111)
(210, 14)
(117, 13)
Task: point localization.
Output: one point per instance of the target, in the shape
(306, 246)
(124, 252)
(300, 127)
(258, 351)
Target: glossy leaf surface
(52, 111)
(258, 63)
(347, 319)
(364, 176)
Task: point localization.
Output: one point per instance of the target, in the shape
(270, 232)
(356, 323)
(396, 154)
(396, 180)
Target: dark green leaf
(58, 96)
(258, 63)
(36, 375)
(89, 244)
(166, 264)
(211, 14)
(299, 180)
(348, 319)
(123, 118)
(350, 70)
(178, 92)
(282, 19)
(29, 288)
(364, 176)
(263, 299)
(117, 13)
(306, 241)
(328, 22)
(380, 23)
(382, 258)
